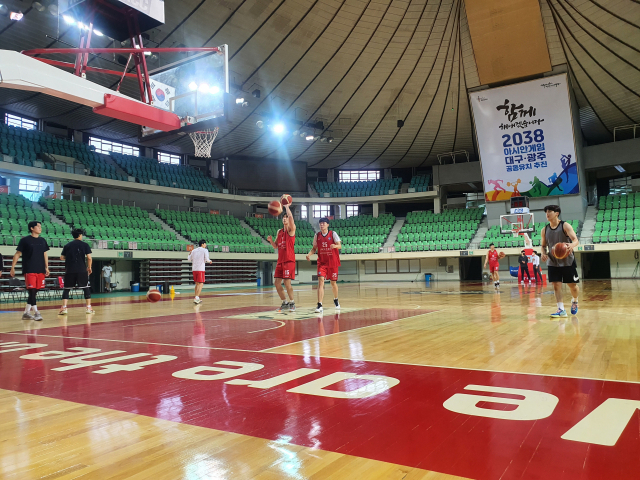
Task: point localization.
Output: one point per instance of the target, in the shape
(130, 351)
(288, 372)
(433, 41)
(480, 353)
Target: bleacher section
(358, 189)
(618, 219)
(25, 145)
(428, 231)
(420, 182)
(176, 176)
(270, 226)
(16, 212)
(363, 233)
(506, 240)
(217, 230)
(118, 227)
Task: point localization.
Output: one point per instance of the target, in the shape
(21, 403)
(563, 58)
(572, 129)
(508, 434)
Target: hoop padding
(203, 141)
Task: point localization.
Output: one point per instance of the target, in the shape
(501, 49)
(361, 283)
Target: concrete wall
(610, 154)
(623, 264)
(268, 175)
(457, 173)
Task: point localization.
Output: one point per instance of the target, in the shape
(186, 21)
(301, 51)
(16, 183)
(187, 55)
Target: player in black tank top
(559, 272)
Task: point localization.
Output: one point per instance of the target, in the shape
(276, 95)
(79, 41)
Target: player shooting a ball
(286, 267)
(558, 240)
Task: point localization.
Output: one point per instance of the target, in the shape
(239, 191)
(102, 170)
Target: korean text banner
(525, 135)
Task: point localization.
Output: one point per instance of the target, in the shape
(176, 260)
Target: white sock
(574, 299)
(88, 307)
(28, 309)
(560, 305)
(35, 308)
(197, 297)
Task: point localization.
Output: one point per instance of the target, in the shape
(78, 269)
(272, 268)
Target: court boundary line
(338, 358)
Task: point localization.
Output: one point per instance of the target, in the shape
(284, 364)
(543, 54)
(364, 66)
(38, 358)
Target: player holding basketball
(560, 270)
(327, 244)
(35, 266)
(494, 266)
(286, 266)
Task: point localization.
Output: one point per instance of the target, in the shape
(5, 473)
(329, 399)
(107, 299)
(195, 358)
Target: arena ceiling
(357, 65)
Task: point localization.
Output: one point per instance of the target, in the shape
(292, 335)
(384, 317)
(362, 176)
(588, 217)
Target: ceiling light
(296, 132)
(100, 34)
(193, 86)
(303, 133)
(239, 101)
(38, 6)
(278, 128)
(619, 168)
(329, 139)
(259, 124)
(323, 139)
(53, 9)
(146, 53)
(17, 16)
(82, 26)
(309, 137)
(214, 89)
(204, 88)
(4, 10)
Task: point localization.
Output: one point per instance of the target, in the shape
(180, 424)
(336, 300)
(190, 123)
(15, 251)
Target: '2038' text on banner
(525, 135)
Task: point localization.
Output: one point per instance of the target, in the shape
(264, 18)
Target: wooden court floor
(407, 381)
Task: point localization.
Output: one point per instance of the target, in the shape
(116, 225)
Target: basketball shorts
(198, 277)
(567, 274)
(286, 270)
(494, 266)
(34, 281)
(76, 280)
(329, 273)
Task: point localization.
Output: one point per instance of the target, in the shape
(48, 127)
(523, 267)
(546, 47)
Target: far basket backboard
(195, 89)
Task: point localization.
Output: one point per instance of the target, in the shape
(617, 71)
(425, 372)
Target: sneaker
(319, 308)
(283, 307)
(37, 317)
(292, 306)
(336, 303)
(522, 282)
(28, 316)
(90, 311)
(574, 308)
(559, 313)
(197, 301)
(63, 311)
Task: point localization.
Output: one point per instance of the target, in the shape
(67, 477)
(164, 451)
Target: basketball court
(230, 388)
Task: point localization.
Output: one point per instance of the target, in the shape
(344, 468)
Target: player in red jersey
(327, 244)
(286, 267)
(492, 259)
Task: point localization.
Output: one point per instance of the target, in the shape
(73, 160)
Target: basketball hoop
(203, 141)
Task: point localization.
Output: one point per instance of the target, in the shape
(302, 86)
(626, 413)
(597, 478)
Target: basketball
(154, 295)
(275, 208)
(286, 199)
(502, 255)
(560, 251)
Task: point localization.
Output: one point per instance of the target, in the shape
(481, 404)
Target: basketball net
(203, 141)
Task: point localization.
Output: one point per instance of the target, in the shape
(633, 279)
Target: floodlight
(239, 101)
(214, 89)
(17, 16)
(259, 124)
(278, 128)
(193, 86)
(309, 137)
(38, 6)
(204, 88)
(100, 34)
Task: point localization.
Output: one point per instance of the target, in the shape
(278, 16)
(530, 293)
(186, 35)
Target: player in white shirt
(198, 258)
(537, 273)
(106, 273)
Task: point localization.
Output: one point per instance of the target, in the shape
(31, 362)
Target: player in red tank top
(286, 266)
(328, 244)
(492, 259)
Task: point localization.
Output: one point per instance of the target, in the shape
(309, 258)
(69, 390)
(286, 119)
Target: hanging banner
(525, 137)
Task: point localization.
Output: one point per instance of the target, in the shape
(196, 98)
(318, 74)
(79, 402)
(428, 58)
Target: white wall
(122, 274)
(623, 263)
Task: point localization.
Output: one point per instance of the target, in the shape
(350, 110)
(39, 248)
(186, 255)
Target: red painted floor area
(214, 330)
(409, 415)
